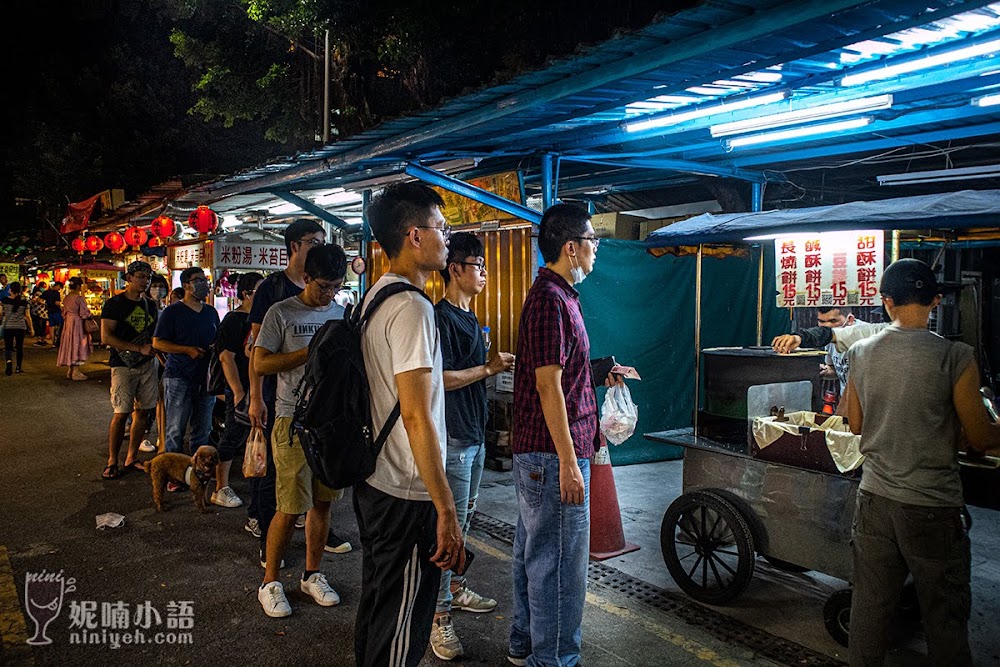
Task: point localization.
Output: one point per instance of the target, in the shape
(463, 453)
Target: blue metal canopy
(755, 90)
(955, 210)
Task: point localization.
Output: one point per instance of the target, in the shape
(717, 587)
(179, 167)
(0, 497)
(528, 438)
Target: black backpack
(333, 415)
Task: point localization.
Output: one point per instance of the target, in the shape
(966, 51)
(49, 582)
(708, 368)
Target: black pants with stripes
(399, 584)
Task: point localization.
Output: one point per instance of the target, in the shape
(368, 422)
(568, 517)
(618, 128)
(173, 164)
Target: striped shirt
(14, 311)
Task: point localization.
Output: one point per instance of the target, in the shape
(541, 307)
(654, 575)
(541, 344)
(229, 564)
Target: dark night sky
(105, 101)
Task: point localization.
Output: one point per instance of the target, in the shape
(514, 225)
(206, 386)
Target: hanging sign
(185, 256)
(12, 271)
(829, 269)
(250, 256)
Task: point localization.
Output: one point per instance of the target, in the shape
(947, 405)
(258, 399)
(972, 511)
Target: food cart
(738, 504)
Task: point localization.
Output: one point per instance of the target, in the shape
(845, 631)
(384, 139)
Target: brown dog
(172, 466)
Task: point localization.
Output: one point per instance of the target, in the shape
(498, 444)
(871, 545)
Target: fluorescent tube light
(335, 198)
(987, 100)
(941, 175)
(723, 107)
(795, 132)
(282, 209)
(820, 112)
(916, 64)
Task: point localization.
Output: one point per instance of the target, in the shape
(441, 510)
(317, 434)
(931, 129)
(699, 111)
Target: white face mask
(576, 272)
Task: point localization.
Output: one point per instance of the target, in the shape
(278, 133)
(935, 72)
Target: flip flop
(111, 472)
(135, 465)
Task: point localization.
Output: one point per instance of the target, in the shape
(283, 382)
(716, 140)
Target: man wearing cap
(911, 395)
(127, 322)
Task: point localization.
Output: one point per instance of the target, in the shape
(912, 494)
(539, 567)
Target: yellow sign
(12, 271)
(459, 210)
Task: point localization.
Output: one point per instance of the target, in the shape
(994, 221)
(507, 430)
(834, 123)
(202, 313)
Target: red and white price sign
(829, 269)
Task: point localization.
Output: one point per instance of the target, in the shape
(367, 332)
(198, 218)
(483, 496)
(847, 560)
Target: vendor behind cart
(910, 395)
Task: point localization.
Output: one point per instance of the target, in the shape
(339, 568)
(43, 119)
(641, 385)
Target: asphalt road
(186, 582)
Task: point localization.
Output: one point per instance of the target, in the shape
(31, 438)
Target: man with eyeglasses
(463, 351)
(281, 349)
(184, 333)
(301, 236)
(555, 425)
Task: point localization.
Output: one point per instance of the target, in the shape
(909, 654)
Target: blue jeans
(186, 402)
(464, 468)
(551, 550)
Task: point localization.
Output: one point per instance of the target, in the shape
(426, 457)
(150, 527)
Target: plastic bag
(619, 415)
(109, 520)
(255, 458)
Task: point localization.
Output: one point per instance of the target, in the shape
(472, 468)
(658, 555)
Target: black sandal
(110, 472)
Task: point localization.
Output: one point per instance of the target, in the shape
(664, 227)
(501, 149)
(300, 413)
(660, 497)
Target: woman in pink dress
(74, 348)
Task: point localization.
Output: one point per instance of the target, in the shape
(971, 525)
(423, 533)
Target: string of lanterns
(203, 220)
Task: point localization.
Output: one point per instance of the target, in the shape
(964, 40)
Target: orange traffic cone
(607, 539)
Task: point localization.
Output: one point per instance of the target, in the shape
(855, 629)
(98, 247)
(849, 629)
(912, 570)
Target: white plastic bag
(618, 415)
(255, 456)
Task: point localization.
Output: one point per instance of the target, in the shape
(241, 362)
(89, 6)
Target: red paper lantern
(78, 244)
(43, 276)
(114, 242)
(155, 242)
(94, 244)
(163, 227)
(135, 236)
(204, 220)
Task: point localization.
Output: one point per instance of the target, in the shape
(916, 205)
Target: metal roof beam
(472, 192)
(931, 14)
(757, 25)
(310, 207)
(684, 166)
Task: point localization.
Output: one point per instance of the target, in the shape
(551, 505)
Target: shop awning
(954, 210)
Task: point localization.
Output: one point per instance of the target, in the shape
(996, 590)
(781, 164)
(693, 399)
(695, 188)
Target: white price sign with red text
(829, 269)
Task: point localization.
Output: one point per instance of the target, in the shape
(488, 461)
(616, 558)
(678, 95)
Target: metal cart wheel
(707, 547)
(837, 615)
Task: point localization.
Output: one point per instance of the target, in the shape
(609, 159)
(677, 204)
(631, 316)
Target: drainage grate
(721, 627)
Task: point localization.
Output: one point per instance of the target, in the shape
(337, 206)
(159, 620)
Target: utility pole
(326, 89)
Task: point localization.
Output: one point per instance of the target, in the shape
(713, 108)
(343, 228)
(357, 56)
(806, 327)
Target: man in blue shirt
(184, 333)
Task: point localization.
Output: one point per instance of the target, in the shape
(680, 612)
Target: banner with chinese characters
(249, 256)
(185, 256)
(829, 269)
(12, 271)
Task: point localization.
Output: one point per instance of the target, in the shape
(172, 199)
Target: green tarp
(640, 309)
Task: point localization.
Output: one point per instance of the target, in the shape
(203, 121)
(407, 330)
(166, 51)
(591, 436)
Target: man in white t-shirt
(405, 509)
(282, 347)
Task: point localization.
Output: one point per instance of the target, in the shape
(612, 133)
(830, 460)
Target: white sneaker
(444, 641)
(147, 446)
(263, 561)
(319, 588)
(467, 599)
(300, 522)
(226, 497)
(272, 599)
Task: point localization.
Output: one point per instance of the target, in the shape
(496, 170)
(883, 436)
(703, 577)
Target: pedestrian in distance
(74, 342)
(281, 348)
(405, 510)
(52, 298)
(39, 316)
(463, 353)
(127, 323)
(16, 323)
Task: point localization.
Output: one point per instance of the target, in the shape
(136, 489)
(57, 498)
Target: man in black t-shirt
(127, 323)
(463, 351)
(52, 297)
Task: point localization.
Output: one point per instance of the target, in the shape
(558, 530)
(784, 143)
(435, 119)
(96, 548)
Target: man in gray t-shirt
(911, 393)
(282, 348)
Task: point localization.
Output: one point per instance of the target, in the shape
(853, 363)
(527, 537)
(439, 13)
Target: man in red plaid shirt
(555, 424)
